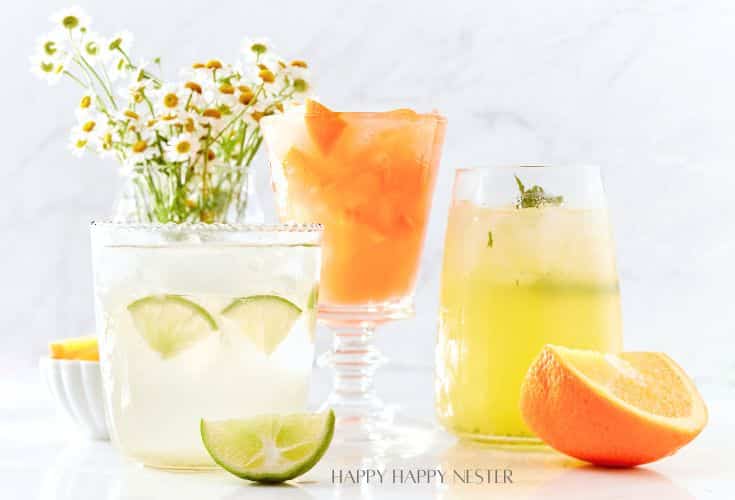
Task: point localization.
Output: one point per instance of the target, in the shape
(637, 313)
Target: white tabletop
(41, 457)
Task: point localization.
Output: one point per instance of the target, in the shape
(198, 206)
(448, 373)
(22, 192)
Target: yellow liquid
(549, 277)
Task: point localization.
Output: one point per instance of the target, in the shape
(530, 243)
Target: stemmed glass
(369, 179)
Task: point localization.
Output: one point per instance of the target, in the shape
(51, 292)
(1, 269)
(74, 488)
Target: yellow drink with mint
(515, 279)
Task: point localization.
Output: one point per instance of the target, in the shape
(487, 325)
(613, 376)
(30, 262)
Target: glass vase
(155, 195)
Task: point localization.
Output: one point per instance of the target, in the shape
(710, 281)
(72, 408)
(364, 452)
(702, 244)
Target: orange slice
(617, 411)
(323, 125)
(80, 348)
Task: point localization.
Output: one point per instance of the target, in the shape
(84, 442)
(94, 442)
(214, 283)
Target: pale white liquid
(154, 404)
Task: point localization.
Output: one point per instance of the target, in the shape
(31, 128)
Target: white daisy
(182, 148)
(93, 48)
(142, 150)
(118, 68)
(71, 18)
(255, 48)
(122, 41)
(78, 140)
(46, 69)
(132, 117)
(103, 142)
(169, 99)
(54, 46)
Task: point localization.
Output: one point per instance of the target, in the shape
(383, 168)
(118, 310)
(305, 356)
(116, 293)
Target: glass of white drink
(201, 321)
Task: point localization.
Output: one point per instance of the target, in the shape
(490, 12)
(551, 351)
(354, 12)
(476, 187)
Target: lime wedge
(264, 319)
(269, 448)
(170, 323)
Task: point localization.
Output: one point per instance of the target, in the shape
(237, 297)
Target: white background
(642, 88)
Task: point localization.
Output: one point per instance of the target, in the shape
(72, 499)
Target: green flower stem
(71, 75)
(99, 79)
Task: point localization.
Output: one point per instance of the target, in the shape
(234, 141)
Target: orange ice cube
(323, 125)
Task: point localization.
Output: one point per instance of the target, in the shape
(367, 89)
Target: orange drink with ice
(368, 178)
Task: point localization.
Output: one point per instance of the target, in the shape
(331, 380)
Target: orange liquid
(368, 178)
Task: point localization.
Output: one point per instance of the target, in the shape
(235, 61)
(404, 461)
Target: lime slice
(170, 323)
(311, 306)
(264, 319)
(269, 448)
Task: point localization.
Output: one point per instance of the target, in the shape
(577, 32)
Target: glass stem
(354, 359)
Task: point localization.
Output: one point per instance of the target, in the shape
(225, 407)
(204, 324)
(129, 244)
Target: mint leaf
(535, 197)
(489, 239)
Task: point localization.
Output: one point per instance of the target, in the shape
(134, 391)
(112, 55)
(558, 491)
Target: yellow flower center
(189, 125)
(198, 65)
(115, 44)
(80, 143)
(183, 147)
(131, 114)
(139, 146)
(226, 88)
(91, 48)
(170, 100)
(245, 98)
(49, 47)
(70, 22)
(299, 63)
(89, 126)
(214, 64)
(300, 85)
(267, 75)
(211, 113)
(258, 48)
(194, 87)
(47, 67)
(85, 102)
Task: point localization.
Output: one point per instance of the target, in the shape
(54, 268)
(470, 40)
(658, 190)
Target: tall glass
(529, 260)
(201, 321)
(369, 178)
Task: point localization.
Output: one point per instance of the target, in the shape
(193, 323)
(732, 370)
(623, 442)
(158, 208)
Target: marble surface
(641, 87)
(41, 457)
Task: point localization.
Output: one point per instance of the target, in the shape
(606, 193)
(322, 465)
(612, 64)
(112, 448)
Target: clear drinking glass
(529, 260)
(201, 321)
(369, 178)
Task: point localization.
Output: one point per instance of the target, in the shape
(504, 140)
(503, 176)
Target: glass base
(362, 417)
(500, 440)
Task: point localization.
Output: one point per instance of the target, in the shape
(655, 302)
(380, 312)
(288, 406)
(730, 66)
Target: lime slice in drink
(264, 319)
(170, 323)
(269, 448)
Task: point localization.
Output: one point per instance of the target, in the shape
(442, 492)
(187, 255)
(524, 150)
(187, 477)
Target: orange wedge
(618, 411)
(80, 348)
(323, 125)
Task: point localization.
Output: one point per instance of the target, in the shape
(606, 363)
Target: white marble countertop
(41, 457)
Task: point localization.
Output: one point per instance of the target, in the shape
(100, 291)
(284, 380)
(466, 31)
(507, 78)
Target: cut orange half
(610, 410)
(323, 125)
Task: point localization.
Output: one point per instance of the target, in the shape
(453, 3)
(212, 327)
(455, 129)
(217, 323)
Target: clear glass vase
(154, 195)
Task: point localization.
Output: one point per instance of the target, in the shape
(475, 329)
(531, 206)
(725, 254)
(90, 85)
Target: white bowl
(76, 387)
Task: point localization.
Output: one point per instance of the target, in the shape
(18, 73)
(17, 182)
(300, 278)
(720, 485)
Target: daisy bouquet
(185, 144)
